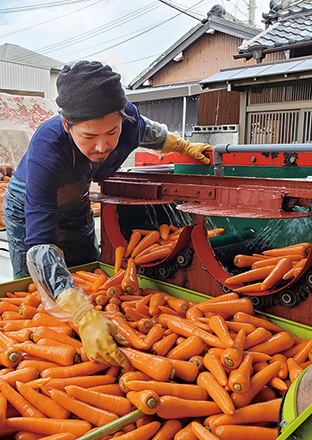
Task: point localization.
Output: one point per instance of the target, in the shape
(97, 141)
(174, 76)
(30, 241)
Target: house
(168, 89)
(25, 72)
(275, 98)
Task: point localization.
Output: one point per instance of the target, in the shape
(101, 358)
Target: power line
(48, 21)
(183, 11)
(40, 6)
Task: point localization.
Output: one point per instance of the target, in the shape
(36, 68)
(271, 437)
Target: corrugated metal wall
(25, 78)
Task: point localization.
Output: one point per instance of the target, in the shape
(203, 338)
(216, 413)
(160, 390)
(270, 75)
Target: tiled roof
(20, 55)
(290, 26)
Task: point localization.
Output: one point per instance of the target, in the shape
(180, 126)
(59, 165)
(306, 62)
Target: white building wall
(16, 76)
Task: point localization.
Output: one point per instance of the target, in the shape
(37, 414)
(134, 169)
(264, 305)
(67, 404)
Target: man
(48, 218)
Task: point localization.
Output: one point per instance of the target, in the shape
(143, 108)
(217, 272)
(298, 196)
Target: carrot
(131, 375)
(178, 304)
(97, 284)
(46, 332)
(31, 300)
(184, 328)
(293, 369)
(147, 250)
(112, 403)
(216, 391)
(186, 433)
(3, 409)
(250, 275)
(156, 300)
(214, 232)
(156, 367)
(144, 432)
(48, 426)
(115, 280)
(156, 254)
(62, 354)
(119, 255)
(276, 382)
(150, 238)
(242, 432)
(186, 391)
(26, 435)
(25, 408)
(259, 335)
(300, 248)
(215, 367)
(170, 311)
(257, 382)
(129, 282)
(279, 342)
(201, 432)
(162, 347)
(302, 354)
(22, 375)
(44, 403)
(113, 389)
(146, 400)
(135, 237)
(246, 260)
(44, 319)
(275, 276)
(221, 298)
(154, 335)
(38, 364)
(219, 327)
(172, 407)
(83, 369)
(236, 326)
(255, 413)
(10, 316)
(61, 436)
(10, 357)
(128, 333)
(168, 430)
(283, 372)
(275, 260)
(82, 410)
(27, 312)
(239, 379)
(86, 381)
(143, 325)
(230, 307)
(114, 292)
(257, 322)
(21, 335)
(232, 356)
(191, 346)
(255, 287)
(164, 231)
(298, 268)
(184, 370)
(6, 306)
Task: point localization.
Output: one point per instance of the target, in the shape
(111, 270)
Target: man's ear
(65, 124)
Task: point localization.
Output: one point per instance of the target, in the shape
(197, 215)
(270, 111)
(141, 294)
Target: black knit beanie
(89, 90)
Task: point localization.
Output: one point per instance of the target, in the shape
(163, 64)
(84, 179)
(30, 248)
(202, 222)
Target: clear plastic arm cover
(50, 274)
(155, 135)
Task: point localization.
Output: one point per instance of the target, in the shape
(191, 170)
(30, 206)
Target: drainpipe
(183, 117)
(221, 149)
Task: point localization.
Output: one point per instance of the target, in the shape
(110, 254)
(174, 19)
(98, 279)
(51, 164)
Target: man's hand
(6, 170)
(175, 144)
(98, 335)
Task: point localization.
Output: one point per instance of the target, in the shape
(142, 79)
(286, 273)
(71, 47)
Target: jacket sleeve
(154, 136)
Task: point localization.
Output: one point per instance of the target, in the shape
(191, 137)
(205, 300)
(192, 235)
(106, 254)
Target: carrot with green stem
(178, 304)
(38, 364)
(10, 357)
(257, 382)
(129, 282)
(231, 357)
(131, 375)
(146, 400)
(216, 391)
(27, 312)
(239, 379)
(64, 355)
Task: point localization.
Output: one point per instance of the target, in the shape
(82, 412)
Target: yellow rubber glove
(98, 335)
(175, 144)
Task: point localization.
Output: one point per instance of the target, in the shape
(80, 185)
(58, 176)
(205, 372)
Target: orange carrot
(279, 342)
(86, 381)
(112, 403)
(232, 356)
(144, 432)
(42, 402)
(215, 367)
(27, 312)
(250, 275)
(115, 280)
(10, 357)
(156, 367)
(129, 282)
(172, 407)
(300, 248)
(82, 369)
(275, 276)
(246, 260)
(275, 382)
(119, 255)
(156, 254)
(293, 369)
(242, 432)
(25, 408)
(259, 335)
(23, 375)
(146, 400)
(62, 354)
(94, 415)
(164, 231)
(228, 308)
(191, 346)
(128, 333)
(134, 240)
(154, 335)
(48, 426)
(46, 332)
(256, 321)
(201, 432)
(131, 375)
(150, 238)
(275, 260)
(3, 409)
(239, 379)
(216, 391)
(186, 391)
(168, 430)
(38, 364)
(219, 327)
(162, 347)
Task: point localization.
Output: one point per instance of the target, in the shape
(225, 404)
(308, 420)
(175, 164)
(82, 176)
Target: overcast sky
(126, 34)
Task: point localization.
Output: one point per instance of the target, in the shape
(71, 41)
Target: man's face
(96, 138)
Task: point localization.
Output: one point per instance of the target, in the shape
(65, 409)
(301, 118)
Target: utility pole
(252, 12)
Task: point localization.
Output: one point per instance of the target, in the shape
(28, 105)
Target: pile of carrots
(270, 268)
(210, 370)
